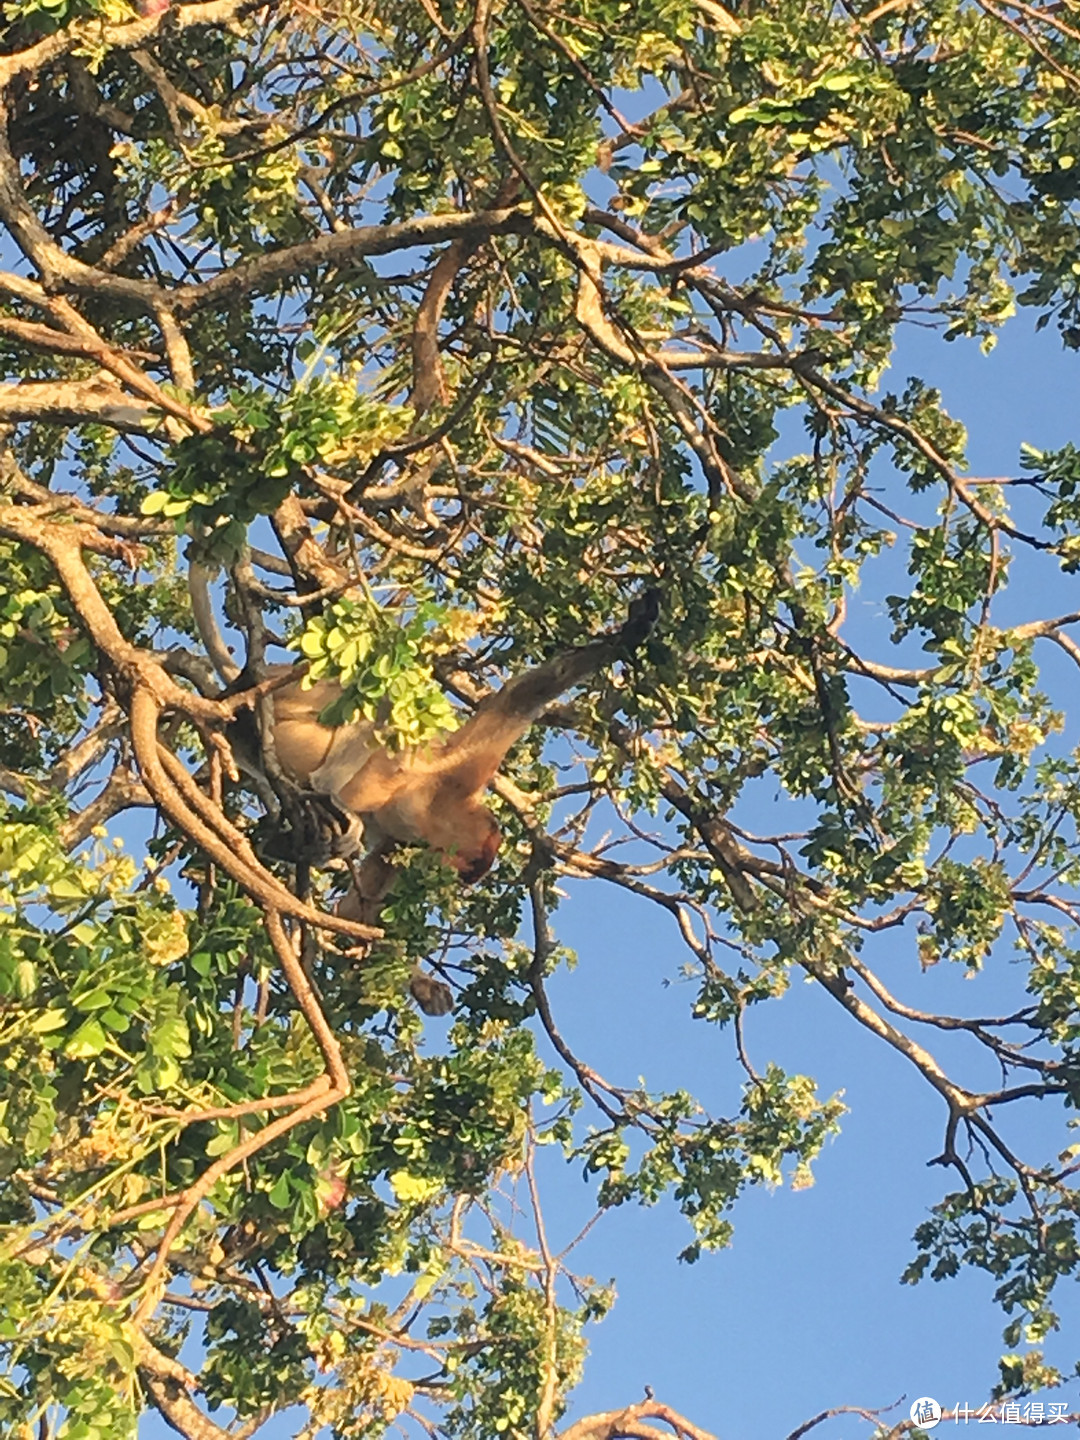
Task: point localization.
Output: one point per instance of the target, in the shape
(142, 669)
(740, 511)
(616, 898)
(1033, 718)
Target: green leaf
(49, 1020)
(94, 1000)
(67, 889)
(279, 1193)
(413, 1189)
(89, 1040)
(223, 1142)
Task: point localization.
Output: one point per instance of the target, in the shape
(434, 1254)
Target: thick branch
(633, 1424)
(78, 402)
(344, 246)
(89, 750)
(167, 1383)
(125, 36)
(311, 570)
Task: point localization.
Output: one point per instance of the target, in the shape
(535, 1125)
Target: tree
(408, 342)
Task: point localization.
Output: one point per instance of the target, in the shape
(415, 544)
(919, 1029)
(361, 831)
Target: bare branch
(122, 791)
(168, 1384)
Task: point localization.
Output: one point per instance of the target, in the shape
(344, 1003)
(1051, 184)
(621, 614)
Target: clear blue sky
(805, 1311)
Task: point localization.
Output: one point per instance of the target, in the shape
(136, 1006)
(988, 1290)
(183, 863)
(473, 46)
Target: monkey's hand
(317, 828)
(433, 997)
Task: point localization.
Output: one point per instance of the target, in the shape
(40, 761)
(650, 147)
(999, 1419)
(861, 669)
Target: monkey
(374, 798)
(432, 793)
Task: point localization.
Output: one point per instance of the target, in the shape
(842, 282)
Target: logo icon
(925, 1412)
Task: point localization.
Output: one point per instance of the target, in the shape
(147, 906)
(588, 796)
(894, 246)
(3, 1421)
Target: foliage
(439, 332)
(376, 654)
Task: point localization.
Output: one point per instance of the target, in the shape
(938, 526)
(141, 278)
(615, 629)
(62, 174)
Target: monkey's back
(323, 756)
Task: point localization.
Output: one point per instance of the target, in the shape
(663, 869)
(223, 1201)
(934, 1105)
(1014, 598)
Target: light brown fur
(432, 794)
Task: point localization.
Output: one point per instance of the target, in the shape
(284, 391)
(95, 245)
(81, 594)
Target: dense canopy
(413, 341)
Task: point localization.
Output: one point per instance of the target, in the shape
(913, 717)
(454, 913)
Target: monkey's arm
(474, 753)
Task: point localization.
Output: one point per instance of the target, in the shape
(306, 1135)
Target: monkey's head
(470, 842)
(476, 851)
(458, 825)
(464, 831)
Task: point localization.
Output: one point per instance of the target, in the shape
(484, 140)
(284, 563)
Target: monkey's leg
(371, 884)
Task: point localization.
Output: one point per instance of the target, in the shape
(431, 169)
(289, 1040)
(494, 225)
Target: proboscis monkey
(434, 793)
(377, 797)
